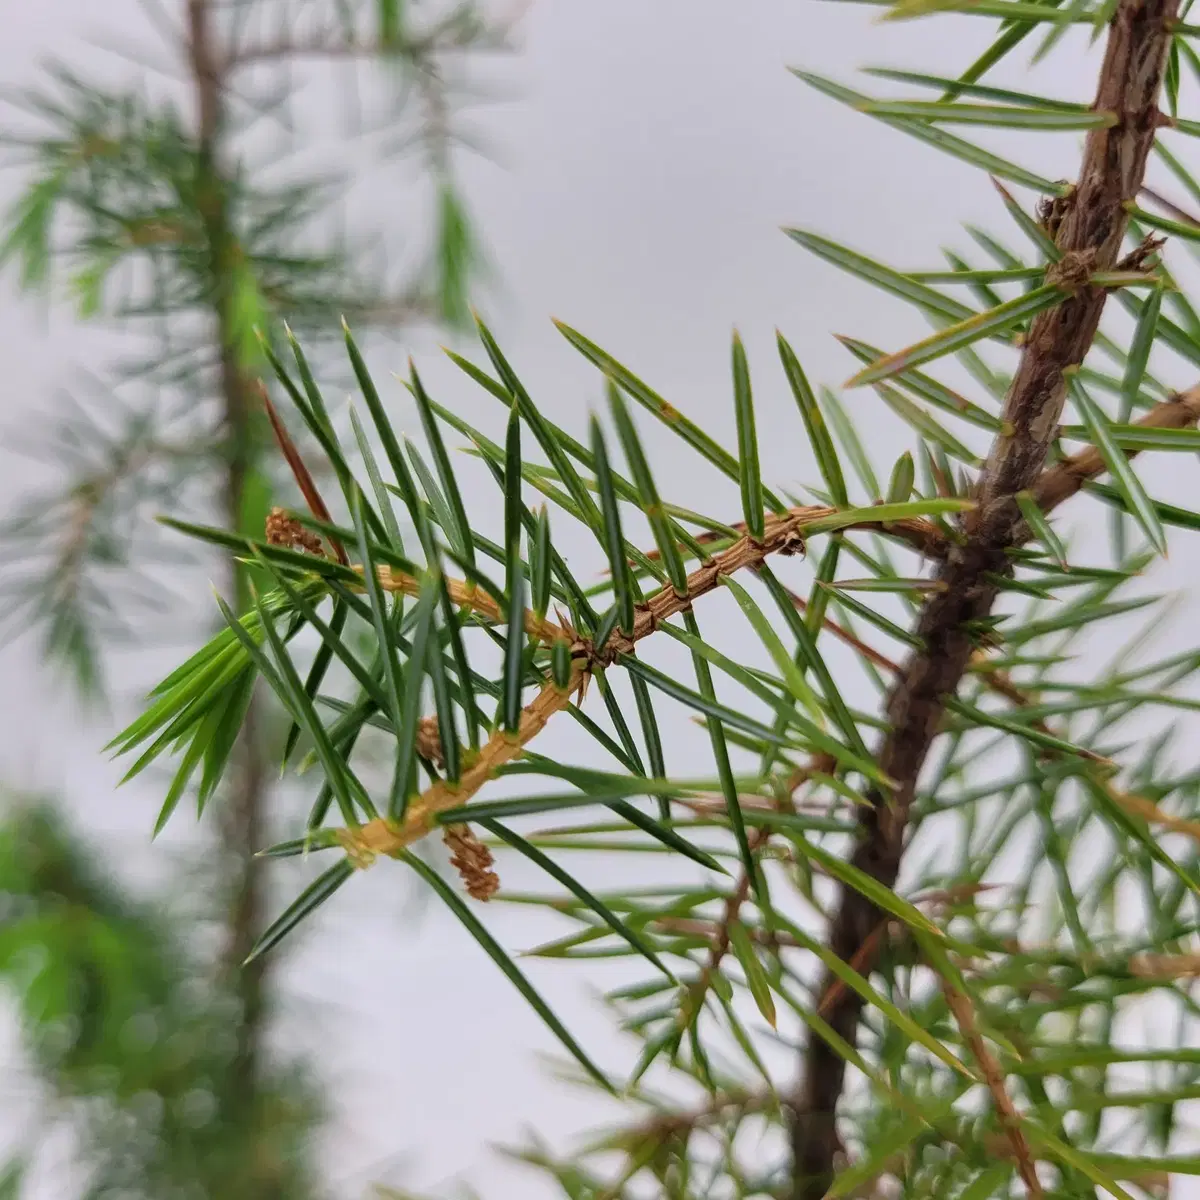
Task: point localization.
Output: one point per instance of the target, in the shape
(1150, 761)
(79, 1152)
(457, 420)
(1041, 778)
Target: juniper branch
(1010, 1120)
(784, 534)
(1090, 238)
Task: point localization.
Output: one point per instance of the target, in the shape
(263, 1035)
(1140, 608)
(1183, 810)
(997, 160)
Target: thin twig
(1061, 481)
(449, 35)
(719, 932)
(470, 595)
(302, 475)
(758, 840)
(920, 535)
(386, 837)
(783, 534)
(1010, 1120)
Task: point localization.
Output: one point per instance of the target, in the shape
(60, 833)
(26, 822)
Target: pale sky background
(649, 156)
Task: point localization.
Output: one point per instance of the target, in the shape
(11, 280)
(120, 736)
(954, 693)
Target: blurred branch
(460, 31)
(113, 967)
(243, 816)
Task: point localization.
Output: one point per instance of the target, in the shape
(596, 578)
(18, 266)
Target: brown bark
(1061, 481)
(1090, 235)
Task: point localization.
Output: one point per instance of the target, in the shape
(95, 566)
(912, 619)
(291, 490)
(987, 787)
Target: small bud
(429, 741)
(473, 861)
(284, 530)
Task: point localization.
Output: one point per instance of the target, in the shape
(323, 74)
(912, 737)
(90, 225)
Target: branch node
(1073, 270)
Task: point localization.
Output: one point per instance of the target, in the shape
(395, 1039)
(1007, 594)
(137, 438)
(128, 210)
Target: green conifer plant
(961, 1029)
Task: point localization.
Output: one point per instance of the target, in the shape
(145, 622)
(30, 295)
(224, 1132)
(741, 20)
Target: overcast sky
(650, 155)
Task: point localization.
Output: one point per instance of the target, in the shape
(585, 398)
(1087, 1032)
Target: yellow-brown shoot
(784, 534)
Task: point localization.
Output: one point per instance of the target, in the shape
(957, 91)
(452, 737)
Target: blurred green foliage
(133, 1037)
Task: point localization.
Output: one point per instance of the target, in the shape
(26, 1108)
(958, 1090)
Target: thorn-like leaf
(614, 541)
(900, 485)
(441, 459)
(496, 953)
(958, 147)
(963, 333)
(652, 506)
(1125, 479)
(749, 473)
(303, 906)
(547, 864)
(1040, 527)
(814, 423)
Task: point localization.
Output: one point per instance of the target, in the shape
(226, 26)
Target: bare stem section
(382, 836)
(783, 534)
(1090, 235)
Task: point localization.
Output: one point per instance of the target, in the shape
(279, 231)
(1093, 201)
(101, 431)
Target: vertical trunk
(1090, 234)
(242, 812)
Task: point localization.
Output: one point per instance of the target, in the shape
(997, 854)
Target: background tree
(962, 946)
(176, 218)
(130, 1038)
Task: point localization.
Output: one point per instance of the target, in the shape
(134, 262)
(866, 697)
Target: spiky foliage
(173, 229)
(958, 903)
